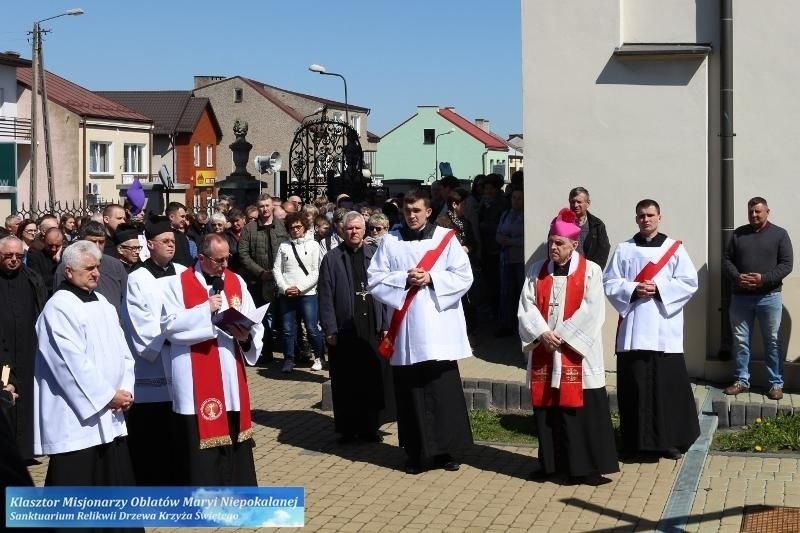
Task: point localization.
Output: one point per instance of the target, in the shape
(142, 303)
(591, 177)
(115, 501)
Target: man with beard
(23, 294)
(353, 324)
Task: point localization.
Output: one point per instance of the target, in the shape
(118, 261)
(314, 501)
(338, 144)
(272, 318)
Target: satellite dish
(163, 175)
(275, 161)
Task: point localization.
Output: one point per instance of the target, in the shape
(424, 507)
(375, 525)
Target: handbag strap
(299, 261)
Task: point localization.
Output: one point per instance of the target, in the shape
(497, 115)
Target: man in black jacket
(593, 243)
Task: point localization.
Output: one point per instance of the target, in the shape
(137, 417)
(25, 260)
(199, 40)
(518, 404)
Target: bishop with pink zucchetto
(561, 314)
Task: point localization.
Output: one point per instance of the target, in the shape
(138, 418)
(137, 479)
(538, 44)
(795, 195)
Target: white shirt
(582, 331)
(141, 320)
(185, 327)
(650, 323)
(434, 327)
(81, 362)
(287, 270)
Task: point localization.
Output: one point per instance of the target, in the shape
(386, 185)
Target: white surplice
(582, 331)
(654, 324)
(185, 327)
(434, 327)
(141, 320)
(82, 360)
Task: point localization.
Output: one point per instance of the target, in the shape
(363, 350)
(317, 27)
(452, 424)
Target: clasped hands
(551, 341)
(122, 401)
(418, 277)
(646, 289)
(750, 280)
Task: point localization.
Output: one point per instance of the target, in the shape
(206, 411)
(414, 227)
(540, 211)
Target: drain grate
(766, 519)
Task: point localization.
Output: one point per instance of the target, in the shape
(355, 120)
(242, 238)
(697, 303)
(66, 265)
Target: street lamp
(436, 149)
(319, 69)
(37, 64)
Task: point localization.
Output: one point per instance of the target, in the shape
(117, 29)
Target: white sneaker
(317, 364)
(288, 366)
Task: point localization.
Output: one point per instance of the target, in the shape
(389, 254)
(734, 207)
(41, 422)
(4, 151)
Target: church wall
(625, 130)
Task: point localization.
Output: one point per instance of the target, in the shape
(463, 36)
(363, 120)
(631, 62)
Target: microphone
(216, 288)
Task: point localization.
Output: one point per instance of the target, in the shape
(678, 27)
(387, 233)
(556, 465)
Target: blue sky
(395, 54)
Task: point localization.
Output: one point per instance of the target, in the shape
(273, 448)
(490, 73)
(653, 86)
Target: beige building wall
(118, 134)
(625, 130)
(269, 127)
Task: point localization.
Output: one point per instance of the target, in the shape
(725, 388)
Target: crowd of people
(126, 364)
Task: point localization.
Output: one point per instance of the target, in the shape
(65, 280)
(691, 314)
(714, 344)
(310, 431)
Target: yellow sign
(205, 178)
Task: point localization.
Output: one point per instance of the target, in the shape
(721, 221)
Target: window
(134, 159)
(209, 155)
(237, 96)
(99, 157)
(338, 116)
(355, 122)
(196, 155)
(428, 136)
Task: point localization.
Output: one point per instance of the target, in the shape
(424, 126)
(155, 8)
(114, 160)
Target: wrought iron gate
(326, 158)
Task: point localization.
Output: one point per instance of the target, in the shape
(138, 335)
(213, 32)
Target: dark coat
(336, 292)
(596, 247)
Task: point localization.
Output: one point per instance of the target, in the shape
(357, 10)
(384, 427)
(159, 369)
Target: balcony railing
(16, 128)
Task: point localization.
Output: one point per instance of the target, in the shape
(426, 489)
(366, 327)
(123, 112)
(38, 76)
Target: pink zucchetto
(565, 225)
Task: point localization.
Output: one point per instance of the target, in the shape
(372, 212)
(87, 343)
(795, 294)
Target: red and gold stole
(570, 391)
(209, 394)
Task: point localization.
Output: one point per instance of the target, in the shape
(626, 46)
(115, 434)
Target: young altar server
(423, 267)
(83, 380)
(561, 313)
(649, 280)
(210, 398)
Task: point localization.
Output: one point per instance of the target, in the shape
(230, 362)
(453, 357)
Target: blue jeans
(307, 306)
(767, 308)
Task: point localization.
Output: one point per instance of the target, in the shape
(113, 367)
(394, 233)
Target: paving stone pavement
(360, 487)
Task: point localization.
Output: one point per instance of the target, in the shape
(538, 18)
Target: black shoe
(372, 437)
(672, 453)
(539, 475)
(446, 462)
(346, 439)
(593, 481)
(413, 468)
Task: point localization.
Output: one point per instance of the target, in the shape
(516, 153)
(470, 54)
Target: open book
(232, 316)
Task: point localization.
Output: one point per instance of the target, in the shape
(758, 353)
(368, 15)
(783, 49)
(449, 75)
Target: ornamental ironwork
(326, 159)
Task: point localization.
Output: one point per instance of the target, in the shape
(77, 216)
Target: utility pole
(34, 113)
(48, 147)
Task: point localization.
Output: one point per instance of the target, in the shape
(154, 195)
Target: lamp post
(40, 83)
(319, 69)
(436, 149)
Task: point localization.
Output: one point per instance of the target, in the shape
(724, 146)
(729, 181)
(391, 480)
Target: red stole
(209, 394)
(570, 391)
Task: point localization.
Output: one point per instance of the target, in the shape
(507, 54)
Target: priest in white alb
(83, 380)
(210, 397)
(421, 272)
(649, 280)
(561, 314)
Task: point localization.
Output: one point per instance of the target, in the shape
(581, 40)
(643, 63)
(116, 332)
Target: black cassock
(22, 294)
(361, 382)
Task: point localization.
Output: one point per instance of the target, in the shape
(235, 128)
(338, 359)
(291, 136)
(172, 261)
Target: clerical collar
(158, 271)
(561, 270)
(409, 234)
(352, 251)
(209, 278)
(83, 296)
(654, 242)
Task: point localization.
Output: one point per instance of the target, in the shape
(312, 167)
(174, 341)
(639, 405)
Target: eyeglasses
(131, 248)
(166, 242)
(376, 228)
(31, 231)
(219, 261)
(18, 257)
(298, 227)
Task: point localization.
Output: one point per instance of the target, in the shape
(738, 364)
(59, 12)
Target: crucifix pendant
(553, 306)
(363, 293)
